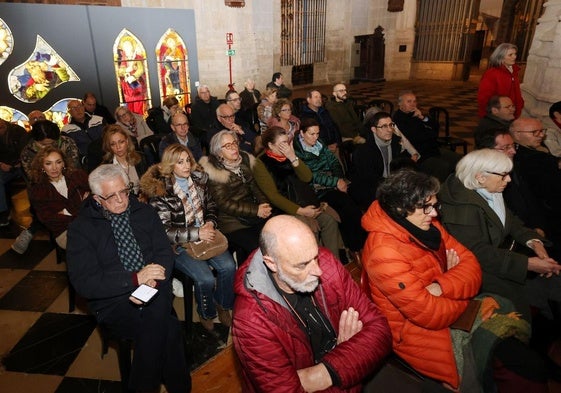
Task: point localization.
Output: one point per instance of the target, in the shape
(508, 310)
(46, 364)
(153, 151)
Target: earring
(43, 170)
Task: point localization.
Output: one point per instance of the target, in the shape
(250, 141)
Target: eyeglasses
(502, 175)
(535, 132)
(112, 198)
(386, 126)
(227, 116)
(428, 208)
(230, 146)
(286, 110)
(506, 148)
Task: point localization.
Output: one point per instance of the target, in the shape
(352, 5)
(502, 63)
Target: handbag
(203, 250)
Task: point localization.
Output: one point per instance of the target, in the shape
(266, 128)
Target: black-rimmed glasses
(386, 126)
(112, 198)
(502, 175)
(429, 207)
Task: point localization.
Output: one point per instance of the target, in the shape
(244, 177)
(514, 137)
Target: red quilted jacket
(500, 81)
(272, 347)
(399, 268)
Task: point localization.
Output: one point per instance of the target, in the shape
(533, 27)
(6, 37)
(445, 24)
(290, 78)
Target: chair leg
(71, 297)
(124, 354)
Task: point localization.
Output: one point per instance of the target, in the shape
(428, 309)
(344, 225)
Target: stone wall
(256, 28)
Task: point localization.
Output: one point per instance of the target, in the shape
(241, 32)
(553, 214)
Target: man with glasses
(115, 245)
(422, 132)
(500, 113)
(181, 135)
(540, 170)
(300, 321)
(234, 101)
(83, 127)
(343, 113)
(372, 160)
(226, 117)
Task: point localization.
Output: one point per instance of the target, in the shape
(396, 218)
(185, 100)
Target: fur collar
(216, 171)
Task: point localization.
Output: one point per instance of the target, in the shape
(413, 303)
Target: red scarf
(278, 157)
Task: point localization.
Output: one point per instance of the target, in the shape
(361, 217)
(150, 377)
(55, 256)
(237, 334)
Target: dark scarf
(127, 246)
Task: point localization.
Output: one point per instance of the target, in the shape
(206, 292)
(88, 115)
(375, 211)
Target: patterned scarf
(315, 149)
(185, 189)
(127, 247)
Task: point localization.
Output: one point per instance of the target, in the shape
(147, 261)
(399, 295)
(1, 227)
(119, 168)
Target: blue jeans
(5, 178)
(208, 289)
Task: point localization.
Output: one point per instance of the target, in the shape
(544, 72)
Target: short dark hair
(276, 76)
(308, 122)
(494, 102)
(45, 129)
(375, 119)
(485, 139)
(404, 191)
(554, 108)
(271, 134)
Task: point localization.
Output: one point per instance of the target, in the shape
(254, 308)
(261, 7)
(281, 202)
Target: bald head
(340, 92)
(35, 116)
(290, 252)
(528, 132)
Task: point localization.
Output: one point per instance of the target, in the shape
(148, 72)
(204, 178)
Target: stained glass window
(173, 67)
(131, 70)
(43, 71)
(58, 113)
(12, 115)
(6, 41)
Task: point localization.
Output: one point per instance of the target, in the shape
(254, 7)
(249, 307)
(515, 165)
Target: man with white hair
(300, 321)
(115, 245)
(203, 113)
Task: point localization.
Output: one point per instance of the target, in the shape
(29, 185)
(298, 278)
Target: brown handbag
(203, 250)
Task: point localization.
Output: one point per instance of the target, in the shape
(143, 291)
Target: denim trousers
(209, 289)
(5, 178)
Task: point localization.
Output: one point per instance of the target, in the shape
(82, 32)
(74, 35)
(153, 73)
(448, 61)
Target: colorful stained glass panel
(173, 67)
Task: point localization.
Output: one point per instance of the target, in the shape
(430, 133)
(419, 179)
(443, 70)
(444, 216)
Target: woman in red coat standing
(501, 79)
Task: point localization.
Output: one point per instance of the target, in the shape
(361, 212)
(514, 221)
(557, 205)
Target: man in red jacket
(301, 324)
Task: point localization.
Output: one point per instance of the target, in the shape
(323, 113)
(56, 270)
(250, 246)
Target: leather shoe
(224, 316)
(208, 324)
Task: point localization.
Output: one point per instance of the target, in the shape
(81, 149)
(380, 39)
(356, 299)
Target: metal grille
(302, 31)
(442, 29)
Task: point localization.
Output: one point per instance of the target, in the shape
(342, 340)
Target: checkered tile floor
(46, 349)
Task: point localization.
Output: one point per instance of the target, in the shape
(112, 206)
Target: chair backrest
(442, 117)
(297, 104)
(150, 147)
(385, 105)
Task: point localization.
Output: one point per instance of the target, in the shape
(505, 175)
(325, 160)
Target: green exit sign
(231, 52)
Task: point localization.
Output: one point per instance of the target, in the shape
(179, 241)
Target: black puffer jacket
(159, 191)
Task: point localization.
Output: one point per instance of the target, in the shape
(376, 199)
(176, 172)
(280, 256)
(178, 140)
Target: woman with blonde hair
(177, 189)
(119, 150)
(282, 116)
(265, 108)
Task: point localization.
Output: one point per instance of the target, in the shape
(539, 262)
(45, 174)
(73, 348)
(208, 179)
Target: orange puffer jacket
(399, 268)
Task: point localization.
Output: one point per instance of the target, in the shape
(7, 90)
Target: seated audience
(500, 113)
(119, 149)
(44, 133)
(371, 161)
(473, 210)
(343, 113)
(203, 114)
(301, 324)
(13, 139)
(518, 196)
(553, 137)
(83, 128)
(159, 118)
(422, 132)
(95, 108)
(265, 107)
(56, 191)
(249, 95)
(242, 206)
(277, 81)
(133, 124)
(178, 190)
(116, 244)
(330, 184)
(227, 121)
(281, 116)
(284, 179)
(181, 134)
(328, 130)
(423, 280)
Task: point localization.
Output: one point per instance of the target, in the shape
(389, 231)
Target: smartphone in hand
(144, 293)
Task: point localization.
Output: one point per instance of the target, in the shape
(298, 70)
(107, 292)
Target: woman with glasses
(56, 191)
(423, 280)
(282, 117)
(501, 79)
(133, 123)
(265, 108)
(372, 160)
(119, 150)
(242, 206)
(178, 190)
(473, 210)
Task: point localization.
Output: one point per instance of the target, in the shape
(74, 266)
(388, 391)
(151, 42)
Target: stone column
(542, 78)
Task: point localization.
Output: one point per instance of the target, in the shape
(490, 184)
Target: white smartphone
(144, 293)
